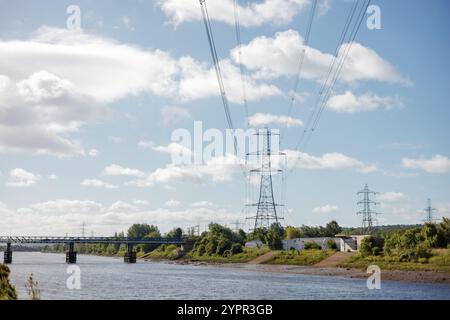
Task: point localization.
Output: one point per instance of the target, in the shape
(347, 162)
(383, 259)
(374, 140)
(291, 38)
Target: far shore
(434, 277)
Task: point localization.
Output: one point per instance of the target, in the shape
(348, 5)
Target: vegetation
(300, 257)
(246, 255)
(330, 230)
(164, 252)
(7, 291)
(312, 246)
(32, 288)
(414, 248)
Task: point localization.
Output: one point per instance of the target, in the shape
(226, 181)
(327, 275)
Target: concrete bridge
(71, 254)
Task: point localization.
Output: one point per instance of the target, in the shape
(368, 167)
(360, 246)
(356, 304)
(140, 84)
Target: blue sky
(86, 116)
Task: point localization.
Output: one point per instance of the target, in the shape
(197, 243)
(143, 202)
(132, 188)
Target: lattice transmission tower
(368, 215)
(429, 213)
(266, 207)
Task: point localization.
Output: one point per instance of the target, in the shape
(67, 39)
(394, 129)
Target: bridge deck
(88, 240)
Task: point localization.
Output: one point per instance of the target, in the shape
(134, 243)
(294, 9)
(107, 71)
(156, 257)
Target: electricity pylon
(429, 211)
(369, 216)
(266, 212)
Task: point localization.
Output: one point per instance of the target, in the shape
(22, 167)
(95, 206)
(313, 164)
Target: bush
(236, 248)
(7, 291)
(371, 246)
(331, 244)
(312, 245)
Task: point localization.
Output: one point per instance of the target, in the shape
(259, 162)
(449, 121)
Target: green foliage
(219, 241)
(331, 244)
(176, 233)
(139, 230)
(300, 257)
(274, 236)
(292, 233)
(7, 291)
(332, 228)
(371, 246)
(169, 252)
(312, 245)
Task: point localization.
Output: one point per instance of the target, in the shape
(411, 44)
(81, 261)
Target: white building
(350, 243)
(299, 243)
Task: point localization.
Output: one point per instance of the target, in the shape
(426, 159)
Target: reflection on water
(110, 278)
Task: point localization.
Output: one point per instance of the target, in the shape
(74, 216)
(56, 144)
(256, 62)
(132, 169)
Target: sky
(87, 115)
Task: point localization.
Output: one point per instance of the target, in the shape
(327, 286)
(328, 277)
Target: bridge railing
(87, 240)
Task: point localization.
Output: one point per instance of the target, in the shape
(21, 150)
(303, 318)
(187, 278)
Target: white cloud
(117, 170)
(21, 178)
(202, 204)
(115, 139)
(53, 176)
(391, 196)
(348, 102)
(43, 89)
(174, 149)
(327, 161)
(263, 119)
(127, 23)
(218, 169)
(146, 144)
(278, 56)
(172, 114)
(172, 203)
(98, 184)
(252, 15)
(94, 153)
(437, 164)
(141, 202)
(325, 209)
(63, 216)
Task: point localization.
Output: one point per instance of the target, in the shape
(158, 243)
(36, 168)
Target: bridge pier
(71, 254)
(130, 255)
(7, 255)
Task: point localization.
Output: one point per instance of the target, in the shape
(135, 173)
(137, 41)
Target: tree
(176, 233)
(274, 237)
(7, 291)
(292, 233)
(141, 230)
(332, 228)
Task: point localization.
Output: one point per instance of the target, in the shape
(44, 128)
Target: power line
(328, 84)
(302, 57)
(237, 28)
(212, 46)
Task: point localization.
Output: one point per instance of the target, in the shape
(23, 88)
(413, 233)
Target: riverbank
(332, 265)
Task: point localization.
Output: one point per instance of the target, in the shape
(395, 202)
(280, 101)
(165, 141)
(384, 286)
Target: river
(110, 278)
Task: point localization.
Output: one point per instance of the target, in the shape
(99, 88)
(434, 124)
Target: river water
(111, 278)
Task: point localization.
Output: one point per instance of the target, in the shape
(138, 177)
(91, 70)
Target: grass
(440, 261)
(246, 256)
(303, 257)
(164, 252)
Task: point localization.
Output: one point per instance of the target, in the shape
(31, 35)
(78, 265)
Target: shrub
(312, 245)
(370, 246)
(7, 291)
(330, 244)
(236, 248)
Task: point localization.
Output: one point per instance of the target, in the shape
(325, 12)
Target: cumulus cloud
(117, 170)
(252, 15)
(325, 209)
(271, 57)
(172, 203)
(264, 119)
(333, 160)
(437, 164)
(349, 103)
(63, 216)
(98, 184)
(45, 96)
(202, 204)
(219, 169)
(391, 196)
(172, 114)
(21, 178)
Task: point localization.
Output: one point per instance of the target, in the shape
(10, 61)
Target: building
(350, 243)
(299, 243)
(254, 244)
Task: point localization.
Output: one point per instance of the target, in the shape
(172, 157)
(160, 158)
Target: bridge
(71, 254)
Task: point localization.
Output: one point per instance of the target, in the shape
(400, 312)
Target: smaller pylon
(429, 211)
(369, 216)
